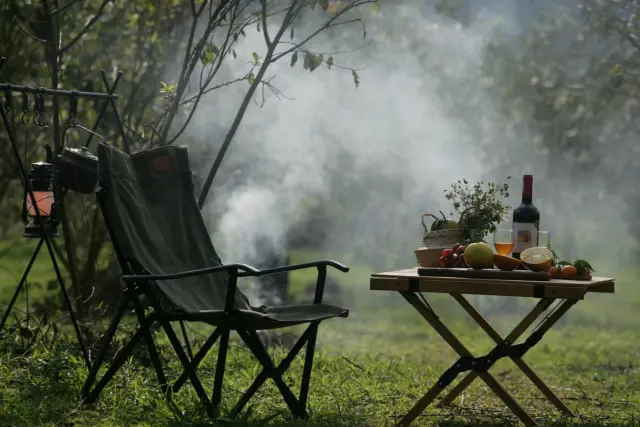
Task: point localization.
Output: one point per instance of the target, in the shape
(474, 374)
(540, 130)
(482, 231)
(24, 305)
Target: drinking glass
(503, 240)
(544, 239)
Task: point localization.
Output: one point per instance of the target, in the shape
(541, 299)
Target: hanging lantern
(41, 180)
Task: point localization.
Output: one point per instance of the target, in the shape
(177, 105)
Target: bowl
(428, 257)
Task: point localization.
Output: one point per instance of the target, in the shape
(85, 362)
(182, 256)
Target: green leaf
(256, 57)
(356, 78)
(294, 59)
(309, 62)
(235, 55)
(291, 32)
(582, 265)
(329, 62)
(319, 60)
(252, 78)
(209, 54)
(168, 88)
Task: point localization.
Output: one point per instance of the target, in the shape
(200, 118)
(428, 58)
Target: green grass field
(370, 368)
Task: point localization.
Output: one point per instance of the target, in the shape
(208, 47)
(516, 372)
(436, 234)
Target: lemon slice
(537, 259)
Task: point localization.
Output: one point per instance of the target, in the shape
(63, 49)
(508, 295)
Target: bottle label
(526, 236)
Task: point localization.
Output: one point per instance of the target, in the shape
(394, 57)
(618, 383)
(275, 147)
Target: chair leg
(204, 349)
(262, 377)
(216, 396)
(104, 345)
(308, 364)
(253, 341)
(151, 346)
(118, 361)
(186, 363)
(187, 344)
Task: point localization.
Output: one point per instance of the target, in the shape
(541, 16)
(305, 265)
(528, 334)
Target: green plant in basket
(480, 207)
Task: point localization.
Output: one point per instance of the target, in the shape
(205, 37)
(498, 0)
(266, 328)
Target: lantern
(40, 178)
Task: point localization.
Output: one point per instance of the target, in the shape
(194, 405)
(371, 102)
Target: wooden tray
(561, 277)
(485, 274)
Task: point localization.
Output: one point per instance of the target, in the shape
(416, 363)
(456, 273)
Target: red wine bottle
(526, 220)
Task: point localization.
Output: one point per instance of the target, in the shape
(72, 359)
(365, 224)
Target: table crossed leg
(466, 359)
(535, 313)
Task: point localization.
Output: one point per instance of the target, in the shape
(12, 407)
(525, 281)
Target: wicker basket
(434, 242)
(442, 238)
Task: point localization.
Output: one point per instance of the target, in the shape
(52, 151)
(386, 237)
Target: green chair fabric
(157, 225)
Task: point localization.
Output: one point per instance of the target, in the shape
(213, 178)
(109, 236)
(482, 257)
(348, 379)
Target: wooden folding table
(567, 292)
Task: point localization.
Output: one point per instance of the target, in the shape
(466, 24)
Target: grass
(370, 368)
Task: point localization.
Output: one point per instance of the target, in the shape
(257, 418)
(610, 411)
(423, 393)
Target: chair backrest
(149, 205)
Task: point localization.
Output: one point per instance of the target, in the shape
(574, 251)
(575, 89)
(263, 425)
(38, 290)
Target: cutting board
(493, 273)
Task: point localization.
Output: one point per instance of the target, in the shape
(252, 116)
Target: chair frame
(138, 282)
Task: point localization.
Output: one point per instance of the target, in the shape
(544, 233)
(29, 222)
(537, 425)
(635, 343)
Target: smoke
(392, 138)
(372, 160)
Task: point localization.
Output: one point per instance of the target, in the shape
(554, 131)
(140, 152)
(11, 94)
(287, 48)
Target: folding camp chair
(162, 244)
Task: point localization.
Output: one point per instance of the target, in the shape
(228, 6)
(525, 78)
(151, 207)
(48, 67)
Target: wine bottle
(526, 220)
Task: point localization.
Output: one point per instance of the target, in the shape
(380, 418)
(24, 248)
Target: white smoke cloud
(395, 125)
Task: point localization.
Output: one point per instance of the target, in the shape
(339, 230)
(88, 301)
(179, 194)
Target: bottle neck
(527, 189)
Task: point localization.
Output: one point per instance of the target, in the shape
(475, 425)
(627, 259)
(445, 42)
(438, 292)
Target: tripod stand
(45, 224)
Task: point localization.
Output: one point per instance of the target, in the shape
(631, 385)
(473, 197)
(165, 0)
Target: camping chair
(163, 247)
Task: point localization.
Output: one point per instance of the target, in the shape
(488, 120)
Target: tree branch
(245, 104)
(265, 31)
(226, 48)
(61, 8)
(26, 33)
(86, 28)
(190, 60)
(326, 26)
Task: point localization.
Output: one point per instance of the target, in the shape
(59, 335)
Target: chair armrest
(322, 273)
(247, 269)
(282, 269)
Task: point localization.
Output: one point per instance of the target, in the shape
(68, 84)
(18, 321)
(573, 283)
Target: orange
(536, 259)
(504, 262)
(554, 269)
(569, 271)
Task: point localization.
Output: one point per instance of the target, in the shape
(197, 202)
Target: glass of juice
(503, 240)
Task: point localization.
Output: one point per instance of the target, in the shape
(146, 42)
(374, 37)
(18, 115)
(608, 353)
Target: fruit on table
(584, 275)
(504, 262)
(537, 259)
(478, 255)
(554, 269)
(453, 257)
(583, 268)
(579, 269)
(568, 271)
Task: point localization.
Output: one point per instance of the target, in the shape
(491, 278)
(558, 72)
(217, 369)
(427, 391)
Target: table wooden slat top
(410, 280)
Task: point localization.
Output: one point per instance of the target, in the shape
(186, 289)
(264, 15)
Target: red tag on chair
(161, 164)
